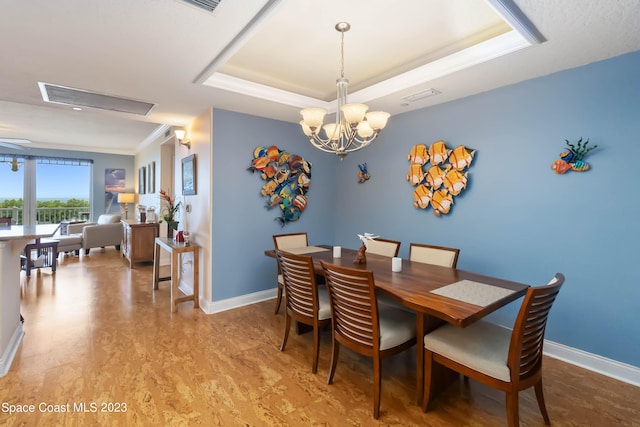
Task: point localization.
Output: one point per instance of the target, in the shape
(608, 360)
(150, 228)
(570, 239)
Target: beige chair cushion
(381, 248)
(432, 256)
(482, 346)
(294, 241)
(396, 326)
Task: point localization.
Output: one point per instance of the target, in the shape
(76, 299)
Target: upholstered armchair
(107, 231)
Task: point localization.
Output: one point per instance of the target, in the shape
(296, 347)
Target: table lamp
(124, 199)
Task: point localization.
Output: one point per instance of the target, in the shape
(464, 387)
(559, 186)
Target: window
(45, 190)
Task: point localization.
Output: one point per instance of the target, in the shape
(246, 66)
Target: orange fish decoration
(421, 196)
(419, 154)
(455, 181)
(460, 158)
(445, 176)
(435, 177)
(441, 202)
(415, 175)
(560, 166)
(438, 152)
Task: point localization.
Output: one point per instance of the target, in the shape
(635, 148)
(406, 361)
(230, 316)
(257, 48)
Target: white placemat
(473, 292)
(305, 250)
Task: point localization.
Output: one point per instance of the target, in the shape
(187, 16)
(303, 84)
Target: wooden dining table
(437, 294)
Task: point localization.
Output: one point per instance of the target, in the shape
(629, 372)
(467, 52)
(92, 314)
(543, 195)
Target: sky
(52, 181)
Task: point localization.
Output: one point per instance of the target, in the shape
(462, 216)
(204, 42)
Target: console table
(176, 249)
(137, 240)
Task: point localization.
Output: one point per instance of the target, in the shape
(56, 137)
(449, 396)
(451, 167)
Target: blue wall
(242, 228)
(516, 220)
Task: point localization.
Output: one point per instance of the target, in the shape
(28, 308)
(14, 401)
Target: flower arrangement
(168, 209)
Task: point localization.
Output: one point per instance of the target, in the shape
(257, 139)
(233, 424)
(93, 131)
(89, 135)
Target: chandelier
(353, 128)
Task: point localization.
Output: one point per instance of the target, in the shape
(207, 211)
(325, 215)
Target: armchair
(107, 231)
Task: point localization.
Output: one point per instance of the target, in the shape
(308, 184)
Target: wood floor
(97, 334)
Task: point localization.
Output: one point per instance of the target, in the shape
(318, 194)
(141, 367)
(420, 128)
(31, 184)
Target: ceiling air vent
(82, 98)
(419, 95)
(208, 5)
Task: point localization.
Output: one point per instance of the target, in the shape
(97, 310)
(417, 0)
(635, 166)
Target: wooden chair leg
(377, 380)
(316, 348)
(541, 405)
(513, 419)
(335, 350)
(287, 326)
(278, 298)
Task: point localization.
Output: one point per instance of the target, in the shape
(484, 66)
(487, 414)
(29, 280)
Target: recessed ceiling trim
(239, 40)
(257, 90)
(482, 52)
(511, 13)
(64, 95)
(523, 35)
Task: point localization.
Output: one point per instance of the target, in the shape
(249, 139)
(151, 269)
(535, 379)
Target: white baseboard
(609, 367)
(230, 303)
(10, 351)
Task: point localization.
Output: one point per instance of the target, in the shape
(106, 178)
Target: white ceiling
(271, 57)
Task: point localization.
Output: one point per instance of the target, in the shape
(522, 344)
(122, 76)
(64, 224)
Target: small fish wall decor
(439, 174)
(287, 176)
(573, 157)
(363, 173)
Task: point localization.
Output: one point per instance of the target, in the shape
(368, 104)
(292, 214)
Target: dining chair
(360, 324)
(430, 254)
(383, 247)
(304, 302)
(287, 241)
(508, 360)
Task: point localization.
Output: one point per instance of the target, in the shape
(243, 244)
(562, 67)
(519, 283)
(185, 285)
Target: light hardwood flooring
(97, 333)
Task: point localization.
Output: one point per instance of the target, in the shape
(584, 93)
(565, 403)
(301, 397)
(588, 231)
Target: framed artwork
(142, 175)
(189, 175)
(151, 187)
(114, 183)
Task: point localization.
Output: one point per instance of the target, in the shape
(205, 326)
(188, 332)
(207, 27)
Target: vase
(171, 225)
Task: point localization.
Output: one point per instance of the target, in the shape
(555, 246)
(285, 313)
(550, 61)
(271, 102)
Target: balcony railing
(48, 215)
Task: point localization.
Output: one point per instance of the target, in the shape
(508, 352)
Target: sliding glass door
(46, 190)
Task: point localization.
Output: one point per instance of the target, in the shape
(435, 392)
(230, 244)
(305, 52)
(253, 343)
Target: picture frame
(142, 175)
(151, 177)
(189, 187)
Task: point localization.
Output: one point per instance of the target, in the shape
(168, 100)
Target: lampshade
(179, 134)
(126, 197)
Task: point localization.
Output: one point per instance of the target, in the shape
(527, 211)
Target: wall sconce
(124, 199)
(180, 136)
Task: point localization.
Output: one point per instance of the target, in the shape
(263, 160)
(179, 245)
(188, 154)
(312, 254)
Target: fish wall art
(573, 157)
(363, 173)
(439, 174)
(287, 176)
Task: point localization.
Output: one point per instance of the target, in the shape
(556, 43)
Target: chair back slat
(300, 290)
(353, 305)
(437, 255)
(527, 340)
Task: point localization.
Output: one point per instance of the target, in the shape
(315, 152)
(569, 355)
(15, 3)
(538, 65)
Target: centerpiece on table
(361, 256)
(168, 211)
